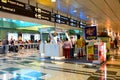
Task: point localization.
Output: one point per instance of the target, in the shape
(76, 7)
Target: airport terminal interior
(59, 40)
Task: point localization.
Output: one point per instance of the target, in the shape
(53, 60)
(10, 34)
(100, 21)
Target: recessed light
(88, 17)
(4, 19)
(53, 0)
(75, 11)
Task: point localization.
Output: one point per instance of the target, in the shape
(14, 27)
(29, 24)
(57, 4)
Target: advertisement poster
(90, 33)
(95, 52)
(90, 52)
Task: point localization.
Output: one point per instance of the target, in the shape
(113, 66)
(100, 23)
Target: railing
(17, 47)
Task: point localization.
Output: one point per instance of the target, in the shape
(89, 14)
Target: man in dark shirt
(116, 43)
(3, 46)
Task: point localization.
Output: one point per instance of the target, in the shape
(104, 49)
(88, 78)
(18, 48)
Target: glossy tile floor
(27, 65)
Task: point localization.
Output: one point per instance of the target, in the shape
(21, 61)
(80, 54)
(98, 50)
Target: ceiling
(103, 13)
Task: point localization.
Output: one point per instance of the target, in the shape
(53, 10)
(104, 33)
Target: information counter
(12, 48)
(53, 50)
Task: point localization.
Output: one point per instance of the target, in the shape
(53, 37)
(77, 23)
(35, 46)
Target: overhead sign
(90, 33)
(16, 7)
(61, 19)
(42, 14)
(20, 8)
(73, 22)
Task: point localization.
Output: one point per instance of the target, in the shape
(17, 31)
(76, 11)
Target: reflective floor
(27, 65)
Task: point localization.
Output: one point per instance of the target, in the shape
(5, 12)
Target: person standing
(73, 46)
(116, 43)
(66, 48)
(79, 45)
(4, 46)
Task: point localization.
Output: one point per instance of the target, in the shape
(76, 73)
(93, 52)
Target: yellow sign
(4, 1)
(90, 52)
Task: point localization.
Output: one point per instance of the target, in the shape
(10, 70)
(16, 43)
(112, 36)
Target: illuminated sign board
(61, 19)
(73, 22)
(42, 14)
(90, 32)
(20, 8)
(16, 7)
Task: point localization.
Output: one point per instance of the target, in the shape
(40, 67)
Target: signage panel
(96, 52)
(90, 52)
(61, 19)
(43, 14)
(90, 32)
(73, 22)
(16, 10)
(16, 7)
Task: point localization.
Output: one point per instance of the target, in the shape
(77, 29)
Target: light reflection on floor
(32, 67)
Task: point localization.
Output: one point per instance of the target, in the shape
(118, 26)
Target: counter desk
(18, 46)
(52, 50)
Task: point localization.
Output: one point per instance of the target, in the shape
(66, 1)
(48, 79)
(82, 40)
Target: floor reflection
(33, 67)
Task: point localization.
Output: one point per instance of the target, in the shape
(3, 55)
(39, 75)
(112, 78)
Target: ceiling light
(75, 11)
(4, 19)
(22, 21)
(88, 17)
(53, 0)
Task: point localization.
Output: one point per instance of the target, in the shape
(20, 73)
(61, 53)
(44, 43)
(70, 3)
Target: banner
(90, 33)
(96, 52)
(90, 52)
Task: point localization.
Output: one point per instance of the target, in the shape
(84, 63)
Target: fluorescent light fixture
(53, 0)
